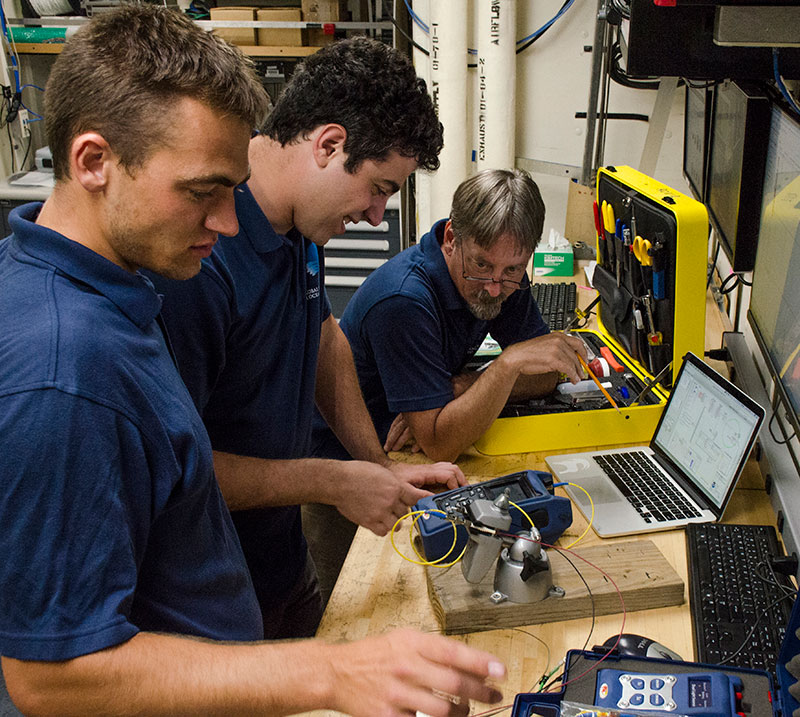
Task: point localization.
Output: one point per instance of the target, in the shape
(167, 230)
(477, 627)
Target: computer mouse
(639, 646)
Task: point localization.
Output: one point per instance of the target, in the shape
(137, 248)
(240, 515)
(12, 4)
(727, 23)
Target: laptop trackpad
(603, 493)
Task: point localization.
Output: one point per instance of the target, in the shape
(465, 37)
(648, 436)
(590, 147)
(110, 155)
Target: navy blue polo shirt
(246, 331)
(112, 520)
(411, 331)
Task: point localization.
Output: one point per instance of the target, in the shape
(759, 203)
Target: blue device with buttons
(531, 490)
(605, 680)
(712, 694)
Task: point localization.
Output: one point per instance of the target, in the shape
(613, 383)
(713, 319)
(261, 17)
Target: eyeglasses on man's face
(479, 270)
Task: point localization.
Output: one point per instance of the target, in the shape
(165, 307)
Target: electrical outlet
(24, 119)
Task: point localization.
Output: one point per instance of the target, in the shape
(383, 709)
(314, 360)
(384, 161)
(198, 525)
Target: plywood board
(644, 578)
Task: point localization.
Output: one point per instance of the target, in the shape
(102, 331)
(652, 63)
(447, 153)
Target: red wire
(607, 576)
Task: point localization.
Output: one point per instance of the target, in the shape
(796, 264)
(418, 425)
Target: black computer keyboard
(736, 599)
(556, 302)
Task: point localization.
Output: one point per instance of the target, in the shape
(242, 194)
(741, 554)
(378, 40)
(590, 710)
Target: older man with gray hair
(419, 318)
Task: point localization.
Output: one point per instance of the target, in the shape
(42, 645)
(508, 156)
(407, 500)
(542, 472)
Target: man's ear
(91, 159)
(448, 239)
(327, 141)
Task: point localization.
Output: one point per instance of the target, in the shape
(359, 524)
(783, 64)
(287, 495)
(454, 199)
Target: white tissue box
(548, 261)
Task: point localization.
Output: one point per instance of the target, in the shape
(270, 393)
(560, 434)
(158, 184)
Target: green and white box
(549, 261)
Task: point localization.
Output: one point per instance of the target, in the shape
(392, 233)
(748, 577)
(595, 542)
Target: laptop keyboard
(645, 487)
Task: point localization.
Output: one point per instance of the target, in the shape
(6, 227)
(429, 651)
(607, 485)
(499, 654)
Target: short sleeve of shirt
(406, 340)
(73, 530)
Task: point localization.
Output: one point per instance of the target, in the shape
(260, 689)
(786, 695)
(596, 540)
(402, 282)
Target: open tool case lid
(759, 694)
(678, 225)
(651, 270)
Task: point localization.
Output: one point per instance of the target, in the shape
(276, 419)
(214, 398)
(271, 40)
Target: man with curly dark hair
(255, 338)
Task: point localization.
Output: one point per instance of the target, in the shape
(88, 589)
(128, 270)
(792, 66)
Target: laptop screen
(707, 429)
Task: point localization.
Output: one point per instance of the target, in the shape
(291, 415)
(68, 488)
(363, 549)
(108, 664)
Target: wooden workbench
(377, 590)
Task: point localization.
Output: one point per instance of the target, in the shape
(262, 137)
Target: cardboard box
(292, 37)
(553, 262)
(322, 11)
(579, 225)
(235, 35)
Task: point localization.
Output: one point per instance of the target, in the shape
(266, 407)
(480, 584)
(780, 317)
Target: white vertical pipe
(423, 67)
(448, 63)
(497, 79)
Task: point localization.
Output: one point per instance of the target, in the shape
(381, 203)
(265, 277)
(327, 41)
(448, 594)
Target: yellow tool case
(652, 248)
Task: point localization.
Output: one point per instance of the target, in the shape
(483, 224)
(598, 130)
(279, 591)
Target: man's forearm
(248, 482)
(525, 387)
(153, 674)
(534, 386)
(462, 421)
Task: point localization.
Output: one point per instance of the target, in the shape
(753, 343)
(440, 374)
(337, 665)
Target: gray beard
(487, 309)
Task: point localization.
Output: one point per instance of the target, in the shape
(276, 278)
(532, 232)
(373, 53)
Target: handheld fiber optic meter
(713, 694)
(530, 490)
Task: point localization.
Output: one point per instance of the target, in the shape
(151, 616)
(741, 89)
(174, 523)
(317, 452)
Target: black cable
(700, 85)
(27, 151)
(530, 42)
(591, 629)
(621, 77)
(622, 7)
(747, 637)
(744, 281)
(407, 36)
(713, 266)
(771, 433)
(724, 288)
(547, 647)
(618, 116)
(11, 145)
(564, 555)
(787, 591)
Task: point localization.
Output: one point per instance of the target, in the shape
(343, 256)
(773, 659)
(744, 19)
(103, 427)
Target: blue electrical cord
(7, 35)
(533, 36)
(779, 82)
(38, 117)
(416, 18)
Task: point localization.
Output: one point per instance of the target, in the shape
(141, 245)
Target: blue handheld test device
(531, 490)
(713, 694)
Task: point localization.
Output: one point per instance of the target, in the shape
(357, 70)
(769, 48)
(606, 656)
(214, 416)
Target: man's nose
(223, 219)
(494, 288)
(377, 207)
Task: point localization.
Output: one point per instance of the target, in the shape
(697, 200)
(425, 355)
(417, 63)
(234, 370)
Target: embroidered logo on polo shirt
(312, 269)
(312, 264)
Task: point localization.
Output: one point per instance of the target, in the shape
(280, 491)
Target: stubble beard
(135, 246)
(486, 307)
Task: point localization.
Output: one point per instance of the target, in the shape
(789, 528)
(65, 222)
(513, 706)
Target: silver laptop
(686, 474)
